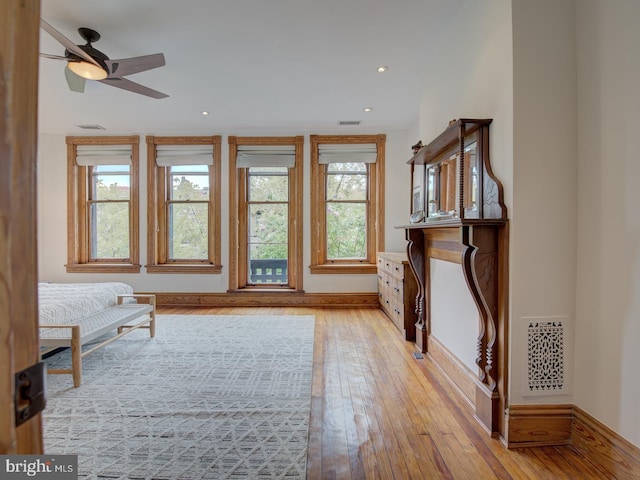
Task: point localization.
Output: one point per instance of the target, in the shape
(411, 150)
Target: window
(347, 202)
(266, 213)
(102, 204)
(184, 205)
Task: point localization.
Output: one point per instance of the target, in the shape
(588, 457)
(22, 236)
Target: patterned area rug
(210, 397)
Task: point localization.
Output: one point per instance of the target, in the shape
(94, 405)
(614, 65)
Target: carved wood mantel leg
(480, 268)
(416, 256)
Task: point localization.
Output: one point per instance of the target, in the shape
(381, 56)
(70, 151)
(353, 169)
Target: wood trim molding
(551, 425)
(271, 298)
(619, 457)
(538, 425)
(296, 275)
(233, 213)
(458, 373)
(378, 203)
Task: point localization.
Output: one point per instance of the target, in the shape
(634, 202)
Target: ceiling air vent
(346, 123)
(91, 127)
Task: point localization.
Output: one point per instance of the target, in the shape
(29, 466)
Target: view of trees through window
(109, 211)
(346, 214)
(268, 195)
(188, 212)
(268, 213)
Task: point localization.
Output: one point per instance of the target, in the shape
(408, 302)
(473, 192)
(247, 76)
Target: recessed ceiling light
(368, 109)
(204, 112)
(382, 68)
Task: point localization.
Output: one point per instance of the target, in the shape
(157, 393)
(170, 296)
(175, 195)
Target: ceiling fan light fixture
(88, 70)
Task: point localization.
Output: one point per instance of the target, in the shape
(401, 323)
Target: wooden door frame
(19, 345)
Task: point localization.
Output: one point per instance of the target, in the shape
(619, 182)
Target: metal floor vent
(418, 355)
(546, 356)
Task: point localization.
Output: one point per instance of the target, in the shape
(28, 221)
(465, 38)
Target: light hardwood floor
(379, 413)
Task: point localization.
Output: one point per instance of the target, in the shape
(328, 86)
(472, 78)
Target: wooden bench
(94, 326)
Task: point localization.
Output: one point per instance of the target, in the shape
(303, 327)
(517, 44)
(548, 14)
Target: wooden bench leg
(152, 323)
(76, 356)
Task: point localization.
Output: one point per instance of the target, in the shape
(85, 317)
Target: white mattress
(65, 303)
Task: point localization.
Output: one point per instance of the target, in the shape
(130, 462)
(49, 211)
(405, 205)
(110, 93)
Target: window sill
(184, 268)
(102, 268)
(266, 289)
(343, 268)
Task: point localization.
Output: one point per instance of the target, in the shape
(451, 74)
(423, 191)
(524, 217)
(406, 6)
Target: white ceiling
(255, 65)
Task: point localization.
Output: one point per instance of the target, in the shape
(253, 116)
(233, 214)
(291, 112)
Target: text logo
(58, 467)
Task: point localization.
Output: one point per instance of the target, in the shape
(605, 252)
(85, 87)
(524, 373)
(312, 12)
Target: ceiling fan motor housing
(90, 36)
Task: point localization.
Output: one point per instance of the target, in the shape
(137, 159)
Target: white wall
(52, 226)
(454, 315)
(608, 284)
(543, 214)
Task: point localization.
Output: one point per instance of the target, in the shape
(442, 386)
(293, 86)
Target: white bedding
(65, 303)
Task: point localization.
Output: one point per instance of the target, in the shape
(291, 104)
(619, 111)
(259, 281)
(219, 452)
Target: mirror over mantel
(451, 177)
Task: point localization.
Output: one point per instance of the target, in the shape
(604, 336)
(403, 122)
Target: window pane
(269, 224)
(268, 170)
(346, 167)
(189, 187)
(189, 169)
(188, 230)
(268, 188)
(346, 230)
(110, 187)
(270, 268)
(346, 187)
(268, 243)
(110, 230)
(112, 169)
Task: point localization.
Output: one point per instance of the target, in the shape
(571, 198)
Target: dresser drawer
(391, 266)
(397, 290)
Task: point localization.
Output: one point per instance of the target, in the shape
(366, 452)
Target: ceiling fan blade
(133, 87)
(68, 44)
(75, 82)
(54, 57)
(128, 66)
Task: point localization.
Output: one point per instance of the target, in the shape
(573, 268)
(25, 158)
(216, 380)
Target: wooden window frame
(238, 266)
(157, 197)
(320, 264)
(78, 235)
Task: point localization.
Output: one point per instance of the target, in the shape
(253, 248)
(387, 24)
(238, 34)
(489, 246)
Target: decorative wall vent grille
(91, 127)
(344, 123)
(546, 356)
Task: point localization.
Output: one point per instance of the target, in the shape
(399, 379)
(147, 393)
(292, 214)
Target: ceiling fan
(84, 62)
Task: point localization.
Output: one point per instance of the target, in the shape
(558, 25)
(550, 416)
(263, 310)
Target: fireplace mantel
(459, 216)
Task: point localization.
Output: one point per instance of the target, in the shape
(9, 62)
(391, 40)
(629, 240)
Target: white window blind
(349, 153)
(168, 155)
(266, 156)
(92, 155)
